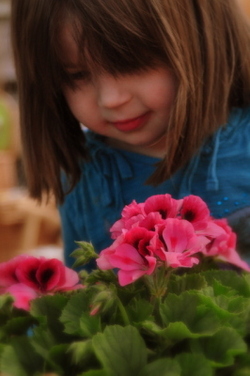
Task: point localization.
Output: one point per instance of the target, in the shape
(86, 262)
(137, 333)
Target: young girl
(122, 99)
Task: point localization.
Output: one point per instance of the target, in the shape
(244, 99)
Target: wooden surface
(25, 225)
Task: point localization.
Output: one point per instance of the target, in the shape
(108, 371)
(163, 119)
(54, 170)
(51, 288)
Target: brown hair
(206, 43)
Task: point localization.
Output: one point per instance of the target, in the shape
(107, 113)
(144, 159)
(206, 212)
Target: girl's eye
(80, 76)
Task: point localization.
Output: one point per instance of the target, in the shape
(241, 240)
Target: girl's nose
(112, 92)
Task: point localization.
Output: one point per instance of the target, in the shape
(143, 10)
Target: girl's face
(131, 110)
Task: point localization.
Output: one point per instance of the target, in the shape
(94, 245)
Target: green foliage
(200, 326)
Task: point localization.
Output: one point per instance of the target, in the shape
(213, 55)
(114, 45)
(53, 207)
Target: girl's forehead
(82, 41)
(67, 43)
(68, 46)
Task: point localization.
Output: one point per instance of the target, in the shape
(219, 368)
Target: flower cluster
(26, 277)
(165, 231)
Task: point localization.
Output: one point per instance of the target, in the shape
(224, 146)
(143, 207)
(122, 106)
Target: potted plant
(170, 296)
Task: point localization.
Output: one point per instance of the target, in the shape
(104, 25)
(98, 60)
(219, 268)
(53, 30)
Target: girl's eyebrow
(71, 65)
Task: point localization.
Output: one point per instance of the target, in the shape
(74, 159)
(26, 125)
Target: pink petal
(209, 228)
(157, 247)
(8, 270)
(177, 260)
(129, 276)
(71, 281)
(194, 210)
(163, 204)
(103, 261)
(179, 235)
(151, 221)
(139, 237)
(234, 258)
(27, 269)
(132, 209)
(151, 264)
(51, 275)
(126, 277)
(22, 295)
(126, 257)
(131, 215)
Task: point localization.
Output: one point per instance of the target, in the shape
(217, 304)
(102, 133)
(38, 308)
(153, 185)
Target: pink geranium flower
(26, 271)
(132, 265)
(195, 210)
(24, 274)
(103, 261)
(165, 231)
(167, 206)
(46, 275)
(151, 221)
(131, 255)
(8, 271)
(223, 247)
(181, 243)
(22, 295)
(131, 215)
(132, 210)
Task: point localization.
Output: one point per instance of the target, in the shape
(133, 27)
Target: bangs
(117, 42)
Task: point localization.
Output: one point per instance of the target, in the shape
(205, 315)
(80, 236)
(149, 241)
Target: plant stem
(123, 312)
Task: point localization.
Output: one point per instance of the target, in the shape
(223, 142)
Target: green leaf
(20, 359)
(242, 372)
(2, 347)
(162, 367)
(139, 310)
(6, 308)
(187, 308)
(178, 284)
(220, 289)
(194, 364)
(179, 308)
(81, 351)
(121, 351)
(18, 325)
(6, 301)
(178, 331)
(229, 278)
(10, 364)
(238, 304)
(42, 341)
(76, 315)
(49, 306)
(60, 359)
(175, 332)
(89, 325)
(222, 347)
(71, 314)
(47, 311)
(100, 372)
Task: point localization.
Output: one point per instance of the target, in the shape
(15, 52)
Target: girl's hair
(206, 44)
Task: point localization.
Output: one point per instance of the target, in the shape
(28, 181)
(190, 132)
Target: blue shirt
(219, 173)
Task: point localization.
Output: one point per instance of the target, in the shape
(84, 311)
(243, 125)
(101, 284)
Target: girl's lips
(131, 124)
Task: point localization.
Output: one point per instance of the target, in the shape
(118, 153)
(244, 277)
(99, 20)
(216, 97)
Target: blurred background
(25, 226)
